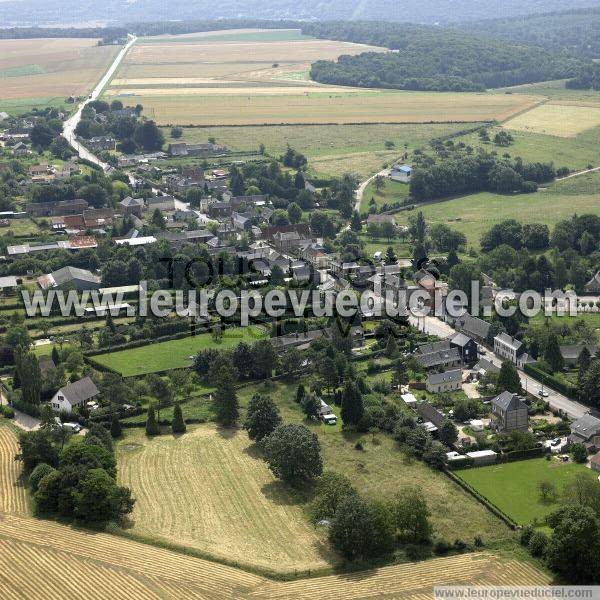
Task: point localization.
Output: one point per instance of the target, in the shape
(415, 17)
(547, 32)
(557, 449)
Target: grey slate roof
(80, 391)
(447, 377)
(460, 339)
(509, 341)
(586, 426)
(572, 352)
(508, 401)
(435, 359)
(67, 274)
(485, 365)
(429, 413)
(474, 326)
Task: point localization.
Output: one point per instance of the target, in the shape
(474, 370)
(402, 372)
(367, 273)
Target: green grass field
(391, 193)
(512, 487)
(475, 214)
(555, 90)
(174, 354)
(576, 153)
(274, 35)
(19, 106)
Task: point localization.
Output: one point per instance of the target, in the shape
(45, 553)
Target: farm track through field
(13, 498)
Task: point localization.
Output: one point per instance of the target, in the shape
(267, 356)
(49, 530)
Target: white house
(508, 348)
(401, 173)
(444, 382)
(74, 394)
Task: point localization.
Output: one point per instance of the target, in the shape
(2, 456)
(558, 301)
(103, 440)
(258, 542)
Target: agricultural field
(559, 118)
(99, 565)
(512, 487)
(475, 214)
(391, 193)
(208, 80)
(174, 354)
(220, 499)
(331, 149)
(42, 72)
(13, 497)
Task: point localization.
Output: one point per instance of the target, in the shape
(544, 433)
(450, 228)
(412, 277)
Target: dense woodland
(434, 59)
(575, 31)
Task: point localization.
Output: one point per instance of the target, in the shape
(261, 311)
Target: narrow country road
(439, 328)
(71, 123)
(360, 192)
(578, 173)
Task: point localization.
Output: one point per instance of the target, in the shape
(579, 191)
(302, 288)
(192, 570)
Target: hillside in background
(34, 12)
(433, 58)
(576, 31)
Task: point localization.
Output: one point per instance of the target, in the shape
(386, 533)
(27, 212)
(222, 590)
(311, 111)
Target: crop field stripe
(13, 497)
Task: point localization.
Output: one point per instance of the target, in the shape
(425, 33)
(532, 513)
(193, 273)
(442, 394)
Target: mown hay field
(99, 565)
(343, 106)
(48, 70)
(210, 490)
(559, 118)
(225, 80)
(13, 498)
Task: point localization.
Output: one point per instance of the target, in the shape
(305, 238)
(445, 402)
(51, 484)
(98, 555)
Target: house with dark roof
(584, 431)
(593, 285)
(70, 278)
(475, 328)
(485, 367)
(132, 206)
(432, 418)
(438, 355)
(466, 347)
(508, 348)
(449, 381)
(572, 352)
(74, 394)
(509, 413)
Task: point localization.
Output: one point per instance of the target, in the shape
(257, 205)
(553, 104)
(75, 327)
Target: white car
(74, 427)
(543, 393)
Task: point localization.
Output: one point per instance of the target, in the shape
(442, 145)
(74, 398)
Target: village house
(57, 208)
(401, 173)
(593, 285)
(163, 203)
(509, 413)
(586, 431)
(449, 381)
(466, 347)
(132, 206)
(432, 418)
(74, 395)
(572, 352)
(102, 143)
(475, 328)
(201, 150)
(70, 278)
(508, 348)
(288, 241)
(20, 149)
(437, 355)
(381, 219)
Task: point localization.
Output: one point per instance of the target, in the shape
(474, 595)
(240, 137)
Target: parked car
(543, 393)
(74, 427)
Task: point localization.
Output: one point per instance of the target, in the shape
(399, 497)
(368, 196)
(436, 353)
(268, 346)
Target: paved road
(21, 419)
(71, 123)
(435, 326)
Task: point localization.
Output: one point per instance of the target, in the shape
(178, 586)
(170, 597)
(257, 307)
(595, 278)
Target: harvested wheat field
(208, 490)
(562, 119)
(98, 565)
(13, 497)
(254, 78)
(57, 67)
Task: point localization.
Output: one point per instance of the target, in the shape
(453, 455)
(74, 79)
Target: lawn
(393, 192)
(475, 214)
(174, 354)
(210, 490)
(512, 487)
